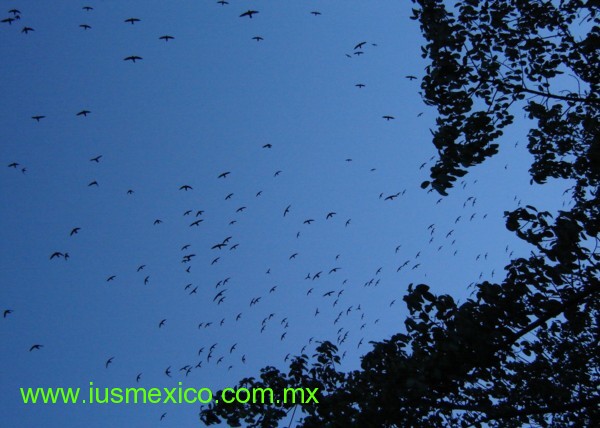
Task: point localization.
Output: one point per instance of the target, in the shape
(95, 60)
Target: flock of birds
(324, 287)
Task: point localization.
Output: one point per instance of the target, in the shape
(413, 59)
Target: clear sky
(284, 117)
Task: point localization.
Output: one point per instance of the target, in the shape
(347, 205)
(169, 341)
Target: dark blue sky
(196, 106)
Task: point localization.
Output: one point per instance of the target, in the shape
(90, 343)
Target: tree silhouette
(523, 351)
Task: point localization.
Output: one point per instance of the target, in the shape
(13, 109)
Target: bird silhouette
(166, 38)
(249, 13)
(132, 58)
(132, 20)
(38, 118)
(110, 360)
(83, 113)
(85, 26)
(36, 346)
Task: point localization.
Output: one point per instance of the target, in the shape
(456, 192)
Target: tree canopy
(524, 350)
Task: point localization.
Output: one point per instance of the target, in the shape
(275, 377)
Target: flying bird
(166, 38)
(257, 38)
(224, 174)
(85, 26)
(132, 20)
(359, 45)
(110, 360)
(360, 85)
(74, 231)
(35, 347)
(186, 188)
(96, 159)
(411, 77)
(26, 30)
(38, 118)
(388, 118)
(132, 58)
(249, 13)
(7, 312)
(83, 113)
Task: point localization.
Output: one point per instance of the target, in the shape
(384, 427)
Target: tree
(523, 351)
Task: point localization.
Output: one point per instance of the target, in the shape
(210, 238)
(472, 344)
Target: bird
(138, 377)
(163, 416)
(111, 278)
(224, 174)
(132, 58)
(168, 371)
(38, 118)
(166, 38)
(257, 38)
(186, 187)
(157, 221)
(83, 113)
(267, 146)
(93, 183)
(132, 20)
(360, 85)
(330, 215)
(85, 26)
(249, 13)
(308, 221)
(36, 346)
(388, 118)
(110, 360)
(162, 322)
(359, 45)
(26, 30)
(56, 254)
(411, 77)
(96, 159)
(287, 210)
(87, 8)
(7, 312)
(74, 231)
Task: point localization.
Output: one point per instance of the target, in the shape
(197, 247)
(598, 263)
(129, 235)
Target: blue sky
(204, 103)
